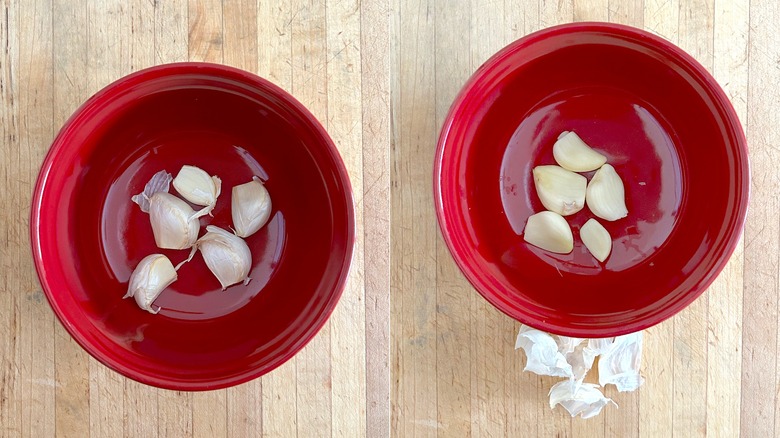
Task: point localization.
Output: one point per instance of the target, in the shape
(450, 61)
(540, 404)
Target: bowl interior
(90, 236)
(664, 125)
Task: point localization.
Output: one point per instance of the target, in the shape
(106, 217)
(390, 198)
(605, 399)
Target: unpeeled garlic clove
(549, 231)
(597, 239)
(251, 207)
(560, 190)
(606, 196)
(196, 186)
(227, 256)
(152, 275)
(174, 223)
(571, 153)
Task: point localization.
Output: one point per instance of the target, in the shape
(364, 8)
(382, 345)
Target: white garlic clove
(227, 256)
(606, 196)
(584, 399)
(560, 190)
(549, 231)
(152, 275)
(160, 182)
(571, 153)
(597, 239)
(251, 207)
(174, 223)
(196, 186)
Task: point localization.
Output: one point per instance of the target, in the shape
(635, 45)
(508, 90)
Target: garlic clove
(152, 275)
(227, 256)
(251, 207)
(597, 239)
(196, 186)
(549, 231)
(560, 190)
(160, 182)
(571, 153)
(606, 196)
(174, 223)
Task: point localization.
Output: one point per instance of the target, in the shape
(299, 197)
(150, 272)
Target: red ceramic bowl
(666, 127)
(87, 236)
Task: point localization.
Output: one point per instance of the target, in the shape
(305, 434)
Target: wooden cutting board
(411, 350)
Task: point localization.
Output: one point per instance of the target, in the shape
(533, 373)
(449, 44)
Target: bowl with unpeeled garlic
(192, 226)
(591, 180)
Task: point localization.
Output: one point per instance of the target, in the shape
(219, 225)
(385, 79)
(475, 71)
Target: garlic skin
(585, 400)
(571, 153)
(152, 275)
(605, 195)
(620, 364)
(251, 207)
(560, 190)
(596, 239)
(549, 231)
(196, 186)
(227, 256)
(174, 223)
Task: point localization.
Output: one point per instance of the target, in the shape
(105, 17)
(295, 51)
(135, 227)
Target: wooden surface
(411, 350)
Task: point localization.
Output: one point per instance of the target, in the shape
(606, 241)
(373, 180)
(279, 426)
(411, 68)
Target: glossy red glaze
(87, 235)
(666, 127)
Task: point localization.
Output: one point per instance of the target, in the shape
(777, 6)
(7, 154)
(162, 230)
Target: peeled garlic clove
(560, 190)
(196, 186)
(226, 255)
(152, 275)
(251, 207)
(584, 399)
(597, 239)
(174, 223)
(605, 195)
(549, 231)
(573, 154)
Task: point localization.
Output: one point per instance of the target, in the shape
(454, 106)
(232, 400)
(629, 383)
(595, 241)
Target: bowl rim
(455, 113)
(220, 71)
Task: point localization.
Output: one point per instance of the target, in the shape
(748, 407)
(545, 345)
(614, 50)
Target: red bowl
(666, 127)
(87, 236)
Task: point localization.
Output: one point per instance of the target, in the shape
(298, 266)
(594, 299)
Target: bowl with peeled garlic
(192, 226)
(591, 180)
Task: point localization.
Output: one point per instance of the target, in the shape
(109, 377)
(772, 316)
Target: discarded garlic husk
(196, 186)
(251, 207)
(598, 346)
(606, 195)
(560, 190)
(619, 365)
(549, 231)
(152, 275)
(542, 353)
(227, 256)
(585, 400)
(596, 239)
(571, 153)
(174, 223)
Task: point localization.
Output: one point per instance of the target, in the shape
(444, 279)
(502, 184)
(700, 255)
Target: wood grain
(411, 350)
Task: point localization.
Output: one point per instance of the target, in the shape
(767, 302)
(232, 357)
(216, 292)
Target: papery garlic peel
(226, 255)
(251, 207)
